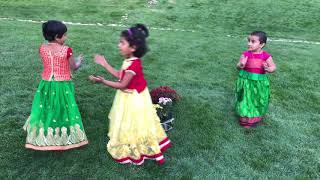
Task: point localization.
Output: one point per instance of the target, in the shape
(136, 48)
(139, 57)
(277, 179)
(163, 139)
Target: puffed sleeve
(69, 52)
(134, 68)
(246, 54)
(266, 55)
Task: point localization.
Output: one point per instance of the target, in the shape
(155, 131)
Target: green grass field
(207, 140)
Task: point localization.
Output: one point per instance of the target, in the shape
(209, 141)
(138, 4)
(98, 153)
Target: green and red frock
(55, 121)
(252, 90)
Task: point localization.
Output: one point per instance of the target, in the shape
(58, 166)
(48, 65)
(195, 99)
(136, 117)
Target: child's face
(62, 39)
(254, 44)
(125, 49)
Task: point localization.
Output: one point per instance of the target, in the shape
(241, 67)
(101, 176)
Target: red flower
(164, 91)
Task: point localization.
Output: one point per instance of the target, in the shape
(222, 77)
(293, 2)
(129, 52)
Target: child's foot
(245, 124)
(254, 125)
(161, 162)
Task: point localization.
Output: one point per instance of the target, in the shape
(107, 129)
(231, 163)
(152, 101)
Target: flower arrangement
(163, 99)
(164, 91)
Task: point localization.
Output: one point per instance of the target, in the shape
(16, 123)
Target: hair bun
(143, 29)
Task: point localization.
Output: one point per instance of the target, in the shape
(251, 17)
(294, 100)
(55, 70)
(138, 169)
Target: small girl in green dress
(253, 87)
(55, 121)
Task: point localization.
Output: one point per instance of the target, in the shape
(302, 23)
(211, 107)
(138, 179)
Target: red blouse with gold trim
(133, 65)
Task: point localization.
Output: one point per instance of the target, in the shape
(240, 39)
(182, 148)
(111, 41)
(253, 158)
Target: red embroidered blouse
(55, 62)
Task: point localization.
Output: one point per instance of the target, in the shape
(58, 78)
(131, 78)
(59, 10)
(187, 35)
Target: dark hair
(52, 29)
(262, 36)
(136, 36)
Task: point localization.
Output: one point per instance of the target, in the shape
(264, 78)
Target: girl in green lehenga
(252, 87)
(55, 121)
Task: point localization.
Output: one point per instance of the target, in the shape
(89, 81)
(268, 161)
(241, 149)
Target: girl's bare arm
(123, 84)
(75, 65)
(270, 66)
(103, 62)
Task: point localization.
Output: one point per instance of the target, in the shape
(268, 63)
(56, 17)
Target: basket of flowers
(164, 98)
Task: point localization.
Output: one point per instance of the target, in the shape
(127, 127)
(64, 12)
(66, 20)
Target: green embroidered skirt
(55, 121)
(252, 94)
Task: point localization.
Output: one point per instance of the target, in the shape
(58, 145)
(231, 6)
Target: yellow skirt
(135, 131)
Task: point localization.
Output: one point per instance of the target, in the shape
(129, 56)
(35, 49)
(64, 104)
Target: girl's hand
(266, 67)
(242, 62)
(96, 79)
(241, 65)
(269, 65)
(100, 60)
(78, 63)
(80, 57)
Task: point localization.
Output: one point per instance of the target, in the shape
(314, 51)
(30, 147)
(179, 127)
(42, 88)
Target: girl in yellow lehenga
(135, 131)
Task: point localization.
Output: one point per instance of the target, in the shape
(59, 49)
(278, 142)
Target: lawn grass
(200, 65)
